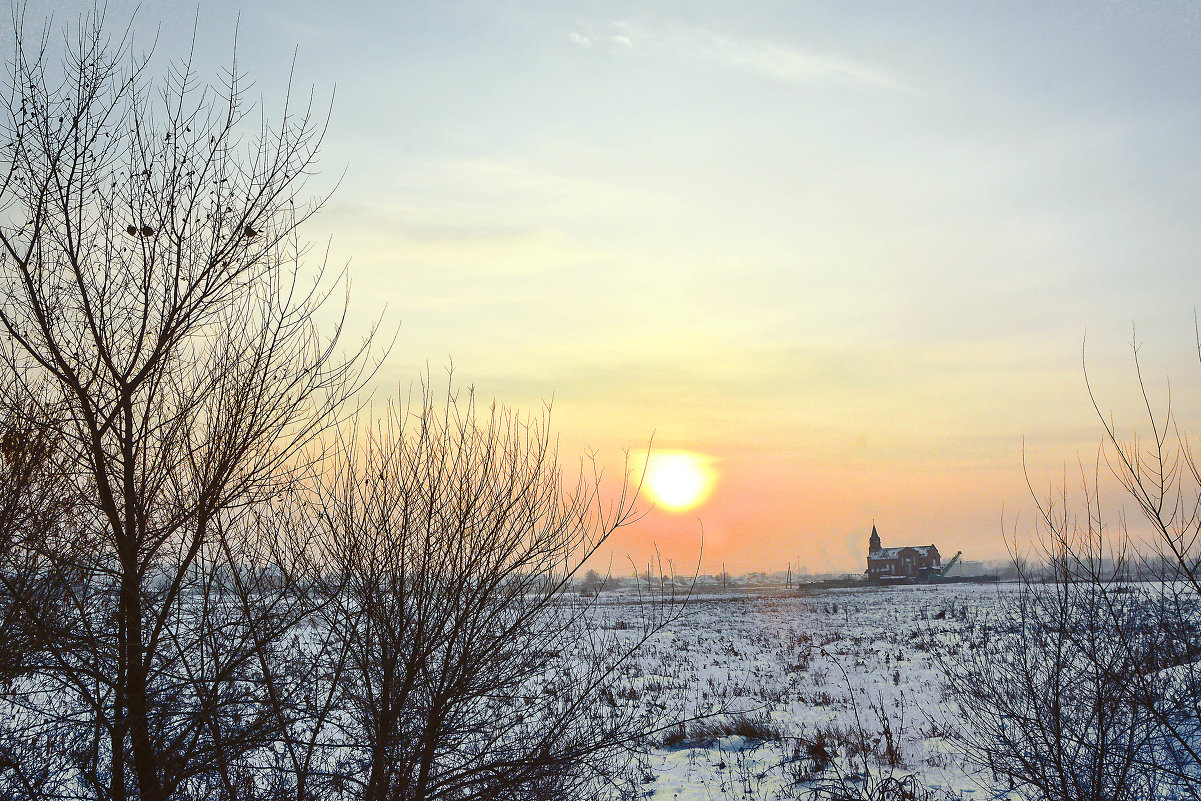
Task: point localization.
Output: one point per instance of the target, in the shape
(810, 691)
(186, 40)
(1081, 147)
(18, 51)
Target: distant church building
(916, 562)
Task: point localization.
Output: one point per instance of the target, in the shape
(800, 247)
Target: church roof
(893, 553)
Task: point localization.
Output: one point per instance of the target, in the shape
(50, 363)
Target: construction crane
(947, 567)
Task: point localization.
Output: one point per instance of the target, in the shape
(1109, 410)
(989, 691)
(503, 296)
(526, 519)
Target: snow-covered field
(797, 668)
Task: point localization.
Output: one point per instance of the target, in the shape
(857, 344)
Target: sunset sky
(845, 253)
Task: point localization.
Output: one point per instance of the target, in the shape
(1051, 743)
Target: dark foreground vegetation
(219, 579)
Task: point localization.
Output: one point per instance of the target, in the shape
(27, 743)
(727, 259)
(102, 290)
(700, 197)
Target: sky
(854, 257)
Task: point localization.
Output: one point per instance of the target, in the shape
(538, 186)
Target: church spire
(873, 544)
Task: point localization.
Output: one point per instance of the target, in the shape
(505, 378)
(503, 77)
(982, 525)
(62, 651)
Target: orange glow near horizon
(678, 480)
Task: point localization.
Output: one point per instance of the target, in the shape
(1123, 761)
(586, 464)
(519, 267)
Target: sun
(678, 480)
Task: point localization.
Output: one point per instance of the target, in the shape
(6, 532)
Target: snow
(832, 661)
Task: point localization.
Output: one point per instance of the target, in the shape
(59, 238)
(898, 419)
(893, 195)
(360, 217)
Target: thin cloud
(768, 59)
(580, 39)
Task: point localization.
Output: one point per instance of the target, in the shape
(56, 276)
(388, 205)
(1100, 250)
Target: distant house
(907, 562)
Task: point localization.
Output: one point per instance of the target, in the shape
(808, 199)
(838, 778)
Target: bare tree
(1092, 689)
(159, 332)
(205, 603)
(468, 670)
(1159, 474)
(36, 503)
(593, 582)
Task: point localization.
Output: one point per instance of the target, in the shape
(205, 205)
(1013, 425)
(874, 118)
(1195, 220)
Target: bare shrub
(465, 668)
(1090, 689)
(873, 788)
(1046, 705)
(703, 732)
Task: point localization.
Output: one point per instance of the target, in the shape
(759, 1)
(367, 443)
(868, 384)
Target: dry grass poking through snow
(826, 695)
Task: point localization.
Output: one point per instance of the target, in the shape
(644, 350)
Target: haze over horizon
(844, 255)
